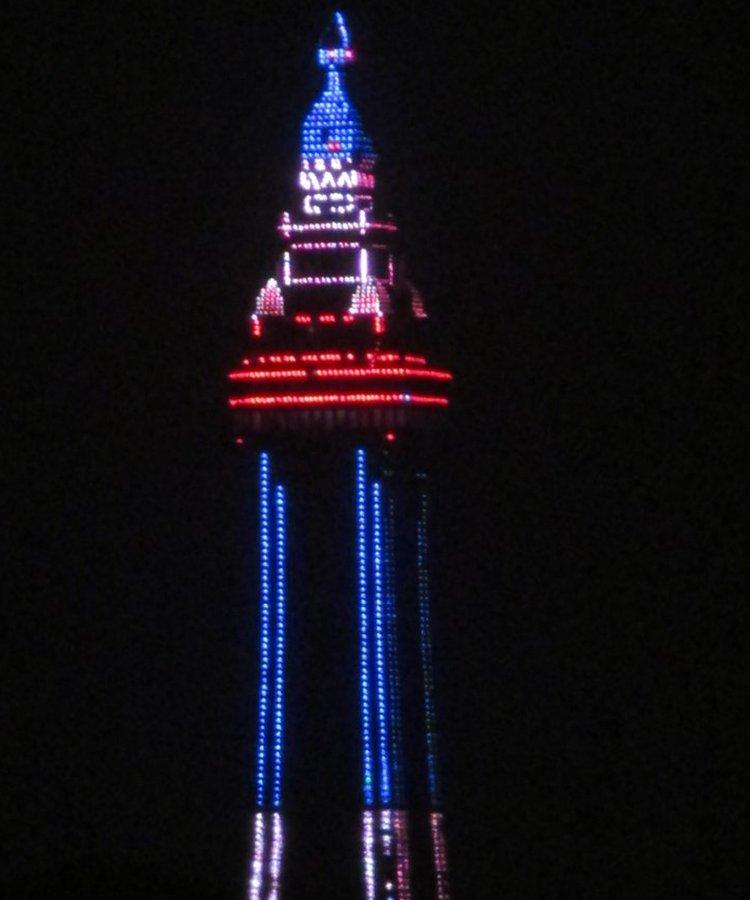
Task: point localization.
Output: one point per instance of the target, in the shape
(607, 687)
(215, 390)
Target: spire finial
(334, 49)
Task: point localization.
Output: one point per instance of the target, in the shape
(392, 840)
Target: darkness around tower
(537, 158)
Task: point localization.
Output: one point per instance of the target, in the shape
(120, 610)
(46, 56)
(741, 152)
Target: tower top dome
(332, 128)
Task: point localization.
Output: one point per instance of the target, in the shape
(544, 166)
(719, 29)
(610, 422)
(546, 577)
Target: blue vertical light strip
(380, 657)
(364, 626)
(394, 691)
(265, 623)
(425, 642)
(278, 707)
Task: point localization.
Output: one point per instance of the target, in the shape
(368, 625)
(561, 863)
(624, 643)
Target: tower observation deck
(333, 406)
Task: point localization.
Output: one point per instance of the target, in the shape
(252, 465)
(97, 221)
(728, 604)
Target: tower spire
(334, 48)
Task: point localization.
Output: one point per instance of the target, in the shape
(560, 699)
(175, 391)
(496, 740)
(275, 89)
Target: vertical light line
(439, 856)
(277, 850)
(380, 661)
(403, 865)
(256, 874)
(278, 718)
(425, 642)
(265, 624)
(364, 612)
(368, 853)
(392, 642)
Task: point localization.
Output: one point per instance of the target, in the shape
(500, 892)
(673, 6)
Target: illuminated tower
(336, 406)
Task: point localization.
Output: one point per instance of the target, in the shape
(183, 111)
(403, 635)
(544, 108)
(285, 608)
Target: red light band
(359, 399)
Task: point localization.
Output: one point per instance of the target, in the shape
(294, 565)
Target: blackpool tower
(335, 407)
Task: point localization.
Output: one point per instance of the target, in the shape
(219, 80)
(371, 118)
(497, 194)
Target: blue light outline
(265, 623)
(380, 658)
(363, 603)
(280, 639)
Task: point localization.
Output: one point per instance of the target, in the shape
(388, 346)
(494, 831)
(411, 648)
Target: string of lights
(358, 399)
(364, 626)
(380, 649)
(278, 742)
(265, 623)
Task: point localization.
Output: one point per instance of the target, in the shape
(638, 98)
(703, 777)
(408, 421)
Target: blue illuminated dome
(332, 128)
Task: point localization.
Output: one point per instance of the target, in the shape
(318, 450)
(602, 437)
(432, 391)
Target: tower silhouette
(335, 407)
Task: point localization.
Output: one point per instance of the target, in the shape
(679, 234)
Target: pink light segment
(256, 871)
(439, 856)
(266, 865)
(368, 853)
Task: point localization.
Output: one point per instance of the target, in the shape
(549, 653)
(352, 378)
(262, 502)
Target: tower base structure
(346, 691)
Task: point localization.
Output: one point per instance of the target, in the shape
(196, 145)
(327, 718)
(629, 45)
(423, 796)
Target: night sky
(559, 174)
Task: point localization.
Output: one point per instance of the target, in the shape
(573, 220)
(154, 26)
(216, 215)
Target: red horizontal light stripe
(359, 399)
(333, 372)
(321, 357)
(266, 374)
(391, 372)
(384, 357)
(418, 360)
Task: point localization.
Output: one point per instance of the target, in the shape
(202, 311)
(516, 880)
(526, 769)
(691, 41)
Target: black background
(564, 179)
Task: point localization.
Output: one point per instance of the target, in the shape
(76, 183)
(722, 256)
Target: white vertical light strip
(277, 852)
(368, 853)
(364, 265)
(256, 872)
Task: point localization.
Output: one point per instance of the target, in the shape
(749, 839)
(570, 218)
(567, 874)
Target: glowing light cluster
(266, 862)
(417, 305)
(270, 300)
(370, 298)
(332, 128)
(342, 399)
